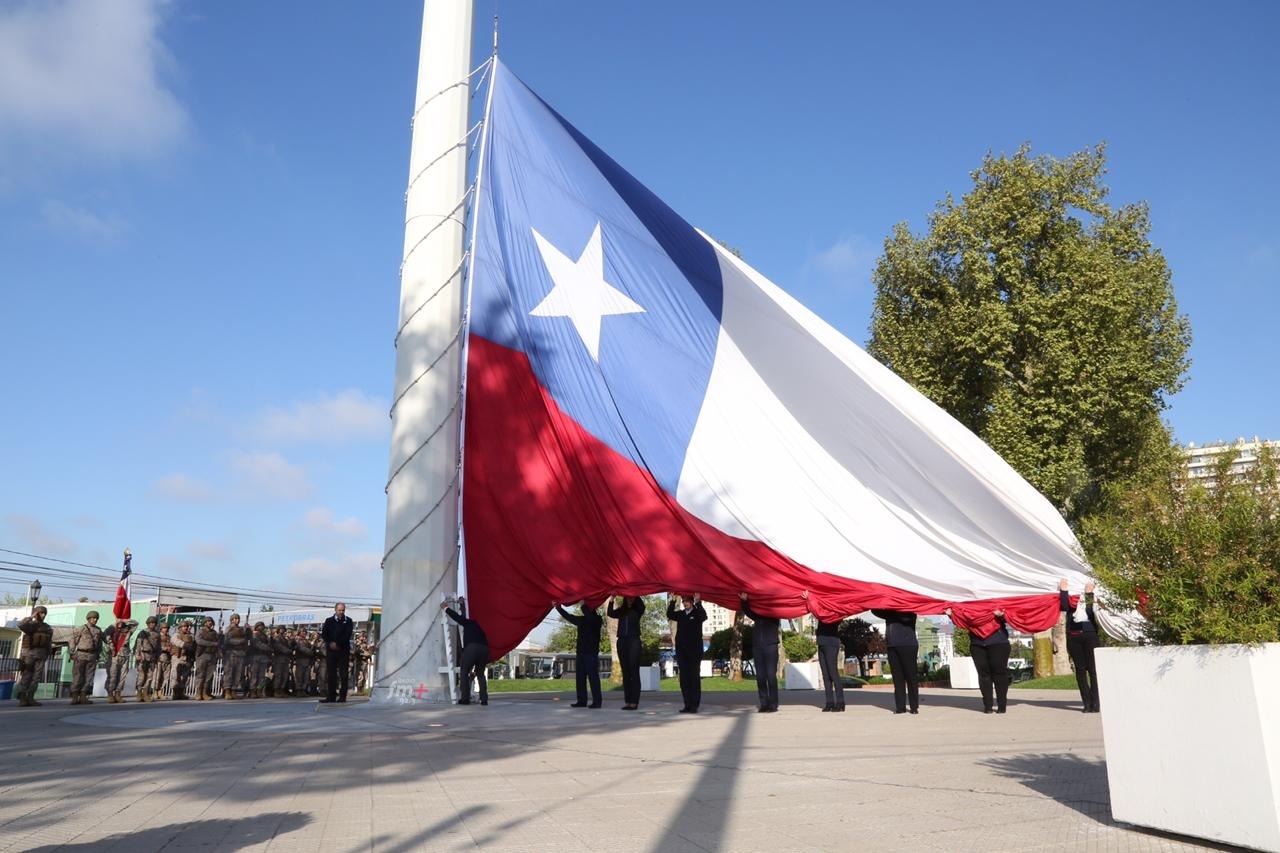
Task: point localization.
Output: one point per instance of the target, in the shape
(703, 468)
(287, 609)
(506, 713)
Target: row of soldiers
(255, 662)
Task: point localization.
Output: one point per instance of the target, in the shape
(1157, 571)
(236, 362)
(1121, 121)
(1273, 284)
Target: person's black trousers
(906, 677)
(629, 660)
(690, 680)
(1081, 651)
(474, 658)
(588, 673)
(830, 650)
(336, 666)
(765, 657)
(992, 663)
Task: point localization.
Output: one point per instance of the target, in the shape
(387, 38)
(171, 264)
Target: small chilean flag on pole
(123, 608)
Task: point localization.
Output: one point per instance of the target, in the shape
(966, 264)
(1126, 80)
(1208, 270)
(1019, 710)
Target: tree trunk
(615, 671)
(1061, 660)
(735, 648)
(1042, 646)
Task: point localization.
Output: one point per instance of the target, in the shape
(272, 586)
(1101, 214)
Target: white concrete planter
(650, 678)
(803, 676)
(1192, 735)
(964, 675)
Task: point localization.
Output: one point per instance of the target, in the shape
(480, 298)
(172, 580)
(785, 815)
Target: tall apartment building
(1202, 460)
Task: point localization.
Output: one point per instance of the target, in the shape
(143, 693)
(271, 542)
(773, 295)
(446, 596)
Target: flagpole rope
(423, 520)
(443, 352)
(434, 619)
(457, 271)
(462, 143)
(457, 400)
(465, 81)
(448, 217)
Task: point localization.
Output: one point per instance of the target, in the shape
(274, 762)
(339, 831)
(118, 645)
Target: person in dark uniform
(475, 653)
(628, 613)
(1082, 639)
(989, 648)
(830, 652)
(688, 619)
(903, 648)
(336, 634)
(587, 659)
(764, 655)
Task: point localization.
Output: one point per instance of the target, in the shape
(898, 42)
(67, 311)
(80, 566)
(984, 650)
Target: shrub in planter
(799, 647)
(1202, 564)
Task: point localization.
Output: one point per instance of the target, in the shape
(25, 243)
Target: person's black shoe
(464, 701)
(827, 708)
(900, 710)
(484, 701)
(685, 711)
(915, 711)
(762, 710)
(342, 698)
(988, 711)
(327, 701)
(840, 708)
(578, 705)
(999, 710)
(594, 705)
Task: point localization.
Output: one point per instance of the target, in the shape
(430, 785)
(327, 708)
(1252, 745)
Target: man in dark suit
(336, 635)
(764, 653)
(688, 619)
(587, 659)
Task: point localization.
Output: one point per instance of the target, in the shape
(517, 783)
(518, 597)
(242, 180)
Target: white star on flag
(580, 291)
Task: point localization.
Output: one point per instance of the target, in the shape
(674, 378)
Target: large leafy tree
(1042, 318)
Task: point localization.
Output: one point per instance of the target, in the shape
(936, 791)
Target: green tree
(1202, 563)
(860, 639)
(564, 638)
(798, 646)
(720, 644)
(653, 625)
(1041, 318)
(960, 642)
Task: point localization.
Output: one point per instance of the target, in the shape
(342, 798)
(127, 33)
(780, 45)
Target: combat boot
(31, 701)
(85, 700)
(111, 699)
(227, 694)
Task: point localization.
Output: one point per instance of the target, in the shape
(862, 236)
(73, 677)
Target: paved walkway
(529, 773)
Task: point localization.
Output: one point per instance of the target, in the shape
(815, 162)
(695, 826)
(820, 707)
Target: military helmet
(92, 614)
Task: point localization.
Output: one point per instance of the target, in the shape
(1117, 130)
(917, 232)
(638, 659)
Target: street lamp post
(33, 593)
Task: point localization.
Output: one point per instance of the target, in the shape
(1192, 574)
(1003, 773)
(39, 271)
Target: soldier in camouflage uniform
(207, 648)
(182, 648)
(160, 675)
(37, 644)
(259, 659)
(116, 640)
(236, 642)
(303, 657)
(281, 659)
(146, 657)
(85, 646)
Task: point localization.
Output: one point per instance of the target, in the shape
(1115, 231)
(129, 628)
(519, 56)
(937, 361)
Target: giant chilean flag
(645, 412)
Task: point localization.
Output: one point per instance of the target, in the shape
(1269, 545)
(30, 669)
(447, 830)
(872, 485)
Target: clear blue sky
(201, 220)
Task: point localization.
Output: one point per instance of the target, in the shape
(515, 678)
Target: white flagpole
(421, 551)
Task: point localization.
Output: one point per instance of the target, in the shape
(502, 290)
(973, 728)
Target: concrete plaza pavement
(529, 773)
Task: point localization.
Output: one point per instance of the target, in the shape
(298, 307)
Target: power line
(106, 579)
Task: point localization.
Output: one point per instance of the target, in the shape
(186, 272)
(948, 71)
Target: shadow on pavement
(1078, 783)
(215, 834)
(707, 808)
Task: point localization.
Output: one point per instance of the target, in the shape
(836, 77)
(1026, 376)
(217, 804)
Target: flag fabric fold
(123, 608)
(646, 412)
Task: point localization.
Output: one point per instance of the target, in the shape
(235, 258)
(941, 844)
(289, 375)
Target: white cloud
(322, 521)
(32, 533)
(184, 489)
(268, 476)
(219, 551)
(345, 416)
(77, 222)
(84, 76)
(347, 575)
(849, 259)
